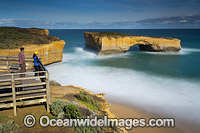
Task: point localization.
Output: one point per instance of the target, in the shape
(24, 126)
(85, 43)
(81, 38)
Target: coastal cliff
(111, 42)
(50, 48)
(49, 53)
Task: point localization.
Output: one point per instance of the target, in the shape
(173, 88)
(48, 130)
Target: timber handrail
(7, 61)
(14, 89)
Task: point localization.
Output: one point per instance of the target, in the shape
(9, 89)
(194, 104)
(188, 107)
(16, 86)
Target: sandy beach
(119, 110)
(124, 111)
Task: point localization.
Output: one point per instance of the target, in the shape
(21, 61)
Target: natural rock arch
(118, 43)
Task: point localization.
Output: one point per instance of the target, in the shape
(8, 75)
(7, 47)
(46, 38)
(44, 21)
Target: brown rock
(108, 43)
(49, 53)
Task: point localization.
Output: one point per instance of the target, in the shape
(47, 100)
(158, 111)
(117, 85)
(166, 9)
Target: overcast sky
(103, 14)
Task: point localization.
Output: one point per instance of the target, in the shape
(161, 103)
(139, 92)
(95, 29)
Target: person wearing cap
(36, 62)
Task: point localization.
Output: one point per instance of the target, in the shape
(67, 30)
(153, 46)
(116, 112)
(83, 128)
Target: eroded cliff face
(49, 53)
(109, 44)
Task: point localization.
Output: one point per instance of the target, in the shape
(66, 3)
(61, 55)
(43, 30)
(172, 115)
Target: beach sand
(124, 111)
(119, 110)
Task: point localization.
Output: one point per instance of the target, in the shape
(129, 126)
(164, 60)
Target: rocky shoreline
(62, 95)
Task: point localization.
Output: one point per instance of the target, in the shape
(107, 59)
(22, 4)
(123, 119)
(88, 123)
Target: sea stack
(112, 42)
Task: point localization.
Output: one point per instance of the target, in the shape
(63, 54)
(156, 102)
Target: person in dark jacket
(36, 62)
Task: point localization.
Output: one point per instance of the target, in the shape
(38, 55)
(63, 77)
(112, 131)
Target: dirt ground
(67, 93)
(38, 111)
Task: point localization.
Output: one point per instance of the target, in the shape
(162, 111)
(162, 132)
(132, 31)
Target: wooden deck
(27, 88)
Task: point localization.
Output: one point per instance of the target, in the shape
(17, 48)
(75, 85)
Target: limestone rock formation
(49, 52)
(35, 31)
(111, 42)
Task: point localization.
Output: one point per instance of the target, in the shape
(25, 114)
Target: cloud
(62, 24)
(36, 23)
(185, 21)
(189, 21)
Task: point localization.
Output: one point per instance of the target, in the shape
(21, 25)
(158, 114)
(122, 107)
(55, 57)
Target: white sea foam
(122, 55)
(183, 51)
(177, 98)
(190, 49)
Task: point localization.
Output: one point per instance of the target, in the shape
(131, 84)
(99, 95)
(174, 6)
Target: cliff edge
(50, 48)
(111, 42)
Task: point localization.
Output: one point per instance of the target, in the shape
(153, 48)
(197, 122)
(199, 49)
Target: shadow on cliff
(134, 48)
(91, 50)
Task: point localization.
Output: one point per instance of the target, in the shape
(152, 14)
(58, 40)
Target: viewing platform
(19, 89)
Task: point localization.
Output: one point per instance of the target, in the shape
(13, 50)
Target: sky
(100, 14)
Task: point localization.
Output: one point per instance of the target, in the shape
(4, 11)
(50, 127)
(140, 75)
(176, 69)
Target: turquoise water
(155, 82)
(182, 65)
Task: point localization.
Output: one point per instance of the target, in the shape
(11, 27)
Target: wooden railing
(24, 89)
(6, 62)
(42, 67)
(27, 88)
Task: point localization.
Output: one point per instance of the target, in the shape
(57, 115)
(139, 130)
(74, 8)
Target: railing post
(47, 91)
(7, 63)
(14, 96)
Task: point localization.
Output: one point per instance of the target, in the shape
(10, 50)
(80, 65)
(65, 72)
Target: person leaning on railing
(22, 61)
(36, 62)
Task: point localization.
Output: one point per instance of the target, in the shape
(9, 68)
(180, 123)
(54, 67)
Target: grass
(87, 99)
(10, 127)
(14, 37)
(54, 83)
(3, 116)
(72, 111)
(116, 34)
(89, 105)
(112, 34)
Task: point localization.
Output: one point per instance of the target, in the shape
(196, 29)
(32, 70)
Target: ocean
(164, 83)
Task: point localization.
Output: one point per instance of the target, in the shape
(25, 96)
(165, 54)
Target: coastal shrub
(72, 111)
(14, 37)
(87, 98)
(9, 127)
(86, 130)
(96, 130)
(54, 83)
(57, 106)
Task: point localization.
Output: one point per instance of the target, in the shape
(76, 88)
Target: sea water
(157, 82)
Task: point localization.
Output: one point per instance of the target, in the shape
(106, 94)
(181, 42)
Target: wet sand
(124, 111)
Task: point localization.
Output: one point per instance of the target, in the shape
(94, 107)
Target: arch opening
(141, 47)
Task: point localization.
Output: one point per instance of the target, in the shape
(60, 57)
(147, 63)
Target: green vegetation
(14, 37)
(87, 99)
(3, 116)
(57, 107)
(97, 130)
(112, 34)
(89, 105)
(115, 34)
(10, 127)
(72, 111)
(54, 83)
(86, 130)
